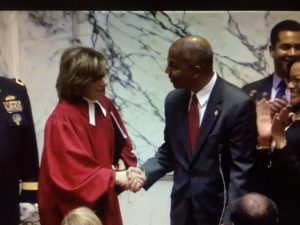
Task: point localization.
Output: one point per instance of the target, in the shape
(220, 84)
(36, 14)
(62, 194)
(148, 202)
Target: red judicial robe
(76, 168)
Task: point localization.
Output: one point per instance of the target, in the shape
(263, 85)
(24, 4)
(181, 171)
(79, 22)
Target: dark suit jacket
(18, 149)
(262, 85)
(218, 172)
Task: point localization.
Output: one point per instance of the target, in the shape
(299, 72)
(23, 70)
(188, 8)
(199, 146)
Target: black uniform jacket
(18, 150)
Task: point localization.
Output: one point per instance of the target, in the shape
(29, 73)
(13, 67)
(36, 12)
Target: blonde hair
(81, 216)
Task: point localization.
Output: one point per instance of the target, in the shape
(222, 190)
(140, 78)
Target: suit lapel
(267, 86)
(212, 112)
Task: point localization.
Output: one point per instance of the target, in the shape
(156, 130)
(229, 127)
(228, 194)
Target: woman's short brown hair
(78, 66)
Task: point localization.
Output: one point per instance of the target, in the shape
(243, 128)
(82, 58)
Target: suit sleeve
(29, 162)
(163, 161)
(242, 149)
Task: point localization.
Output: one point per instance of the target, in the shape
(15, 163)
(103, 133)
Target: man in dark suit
(284, 47)
(18, 152)
(212, 168)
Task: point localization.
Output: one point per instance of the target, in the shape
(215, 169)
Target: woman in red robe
(84, 139)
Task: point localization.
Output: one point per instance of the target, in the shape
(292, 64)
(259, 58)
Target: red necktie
(194, 119)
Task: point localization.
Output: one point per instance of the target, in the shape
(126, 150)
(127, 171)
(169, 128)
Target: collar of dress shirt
(91, 105)
(204, 93)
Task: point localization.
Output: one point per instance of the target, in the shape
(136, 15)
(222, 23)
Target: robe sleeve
(75, 174)
(127, 155)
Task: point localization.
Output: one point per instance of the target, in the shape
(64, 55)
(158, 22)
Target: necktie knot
(280, 89)
(194, 102)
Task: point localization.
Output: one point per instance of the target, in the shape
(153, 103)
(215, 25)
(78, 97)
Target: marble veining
(136, 45)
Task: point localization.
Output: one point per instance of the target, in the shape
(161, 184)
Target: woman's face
(294, 83)
(95, 89)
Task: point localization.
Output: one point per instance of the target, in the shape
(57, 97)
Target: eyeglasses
(293, 80)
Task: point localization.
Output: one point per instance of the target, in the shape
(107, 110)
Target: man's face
(286, 49)
(179, 71)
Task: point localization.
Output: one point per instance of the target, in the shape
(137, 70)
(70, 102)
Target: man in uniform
(18, 152)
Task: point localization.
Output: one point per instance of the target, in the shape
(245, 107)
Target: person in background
(284, 47)
(19, 160)
(254, 209)
(281, 133)
(210, 136)
(84, 139)
(81, 216)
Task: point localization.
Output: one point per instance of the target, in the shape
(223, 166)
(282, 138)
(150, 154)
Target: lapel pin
(216, 113)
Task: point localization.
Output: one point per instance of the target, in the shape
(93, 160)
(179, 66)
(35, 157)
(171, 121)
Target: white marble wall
(136, 45)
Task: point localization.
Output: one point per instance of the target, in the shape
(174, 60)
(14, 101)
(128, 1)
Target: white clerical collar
(92, 115)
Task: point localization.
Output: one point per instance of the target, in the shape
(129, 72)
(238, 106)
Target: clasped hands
(132, 179)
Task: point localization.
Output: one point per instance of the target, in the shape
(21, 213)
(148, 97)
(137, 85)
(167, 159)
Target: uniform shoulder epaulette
(19, 81)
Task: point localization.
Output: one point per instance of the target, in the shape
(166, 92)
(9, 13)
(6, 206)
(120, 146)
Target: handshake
(132, 179)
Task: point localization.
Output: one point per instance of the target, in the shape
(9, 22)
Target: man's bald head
(254, 209)
(195, 50)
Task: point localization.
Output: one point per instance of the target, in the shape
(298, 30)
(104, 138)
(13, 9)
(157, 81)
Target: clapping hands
(279, 124)
(270, 123)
